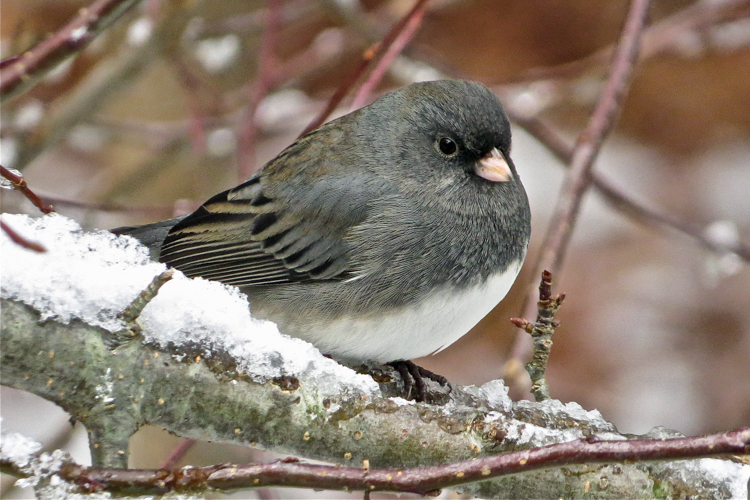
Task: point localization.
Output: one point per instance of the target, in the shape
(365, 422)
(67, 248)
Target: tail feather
(150, 235)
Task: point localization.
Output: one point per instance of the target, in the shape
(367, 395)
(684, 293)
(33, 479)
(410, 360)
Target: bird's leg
(413, 377)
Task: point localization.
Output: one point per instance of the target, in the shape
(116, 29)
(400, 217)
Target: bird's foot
(414, 380)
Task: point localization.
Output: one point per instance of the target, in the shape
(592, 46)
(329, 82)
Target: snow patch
(94, 276)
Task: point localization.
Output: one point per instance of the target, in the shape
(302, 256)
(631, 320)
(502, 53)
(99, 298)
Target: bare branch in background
(19, 183)
(20, 240)
(177, 453)
(582, 160)
(618, 199)
(656, 39)
(374, 53)
(588, 145)
(24, 70)
(413, 19)
(106, 79)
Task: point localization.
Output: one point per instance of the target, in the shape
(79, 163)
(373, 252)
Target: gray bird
(383, 235)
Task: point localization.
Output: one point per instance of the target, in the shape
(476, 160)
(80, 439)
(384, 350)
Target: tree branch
(620, 200)
(20, 240)
(405, 30)
(589, 143)
(656, 39)
(541, 332)
(201, 390)
(578, 179)
(106, 79)
(374, 53)
(23, 71)
(19, 184)
(424, 480)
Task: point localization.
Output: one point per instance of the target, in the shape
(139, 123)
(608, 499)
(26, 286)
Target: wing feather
(271, 229)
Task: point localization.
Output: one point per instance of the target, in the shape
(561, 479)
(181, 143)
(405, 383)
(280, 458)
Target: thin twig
(374, 53)
(541, 332)
(656, 39)
(19, 183)
(28, 68)
(131, 313)
(617, 198)
(291, 472)
(582, 160)
(20, 240)
(177, 454)
(413, 21)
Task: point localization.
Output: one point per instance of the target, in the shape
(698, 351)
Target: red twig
(267, 66)
(25, 70)
(418, 480)
(20, 240)
(179, 451)
(656, 40)
(585, 152)
(341, 92)
(19, 183)
(413, 21)
(590, 141)
(375, 53)
(618, 199)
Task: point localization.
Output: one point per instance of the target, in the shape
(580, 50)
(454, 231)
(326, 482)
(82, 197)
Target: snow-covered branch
(200, 366)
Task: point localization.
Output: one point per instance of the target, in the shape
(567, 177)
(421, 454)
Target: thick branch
(225, 379)
(200, 396)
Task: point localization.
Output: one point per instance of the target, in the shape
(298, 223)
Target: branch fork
(541, 332)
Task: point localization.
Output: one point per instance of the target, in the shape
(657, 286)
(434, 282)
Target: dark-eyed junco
(384, 235)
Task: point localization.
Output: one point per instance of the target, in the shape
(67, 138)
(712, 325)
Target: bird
(384, 235)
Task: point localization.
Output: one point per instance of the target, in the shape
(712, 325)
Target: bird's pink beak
(493, 167)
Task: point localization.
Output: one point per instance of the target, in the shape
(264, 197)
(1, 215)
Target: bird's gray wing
(280, 226)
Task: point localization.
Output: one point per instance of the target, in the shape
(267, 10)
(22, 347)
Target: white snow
(95, 275)
(495, 392)
(735, 475)
(218, 54)
(140, 31)
(402, 401)
(18, 449)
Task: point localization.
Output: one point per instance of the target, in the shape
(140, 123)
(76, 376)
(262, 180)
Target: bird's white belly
(419, 330)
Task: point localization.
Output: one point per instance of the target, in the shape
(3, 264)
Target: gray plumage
(364, 217)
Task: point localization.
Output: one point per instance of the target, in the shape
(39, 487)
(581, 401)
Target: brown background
(655, 330)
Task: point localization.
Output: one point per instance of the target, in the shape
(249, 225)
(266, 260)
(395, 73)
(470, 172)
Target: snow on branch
(201, 367)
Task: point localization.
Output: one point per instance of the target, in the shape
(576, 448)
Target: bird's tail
(151, 235)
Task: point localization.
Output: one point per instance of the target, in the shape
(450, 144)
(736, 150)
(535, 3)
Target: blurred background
(179, 100)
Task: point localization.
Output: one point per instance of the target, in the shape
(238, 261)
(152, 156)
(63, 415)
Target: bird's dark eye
(447, 146)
